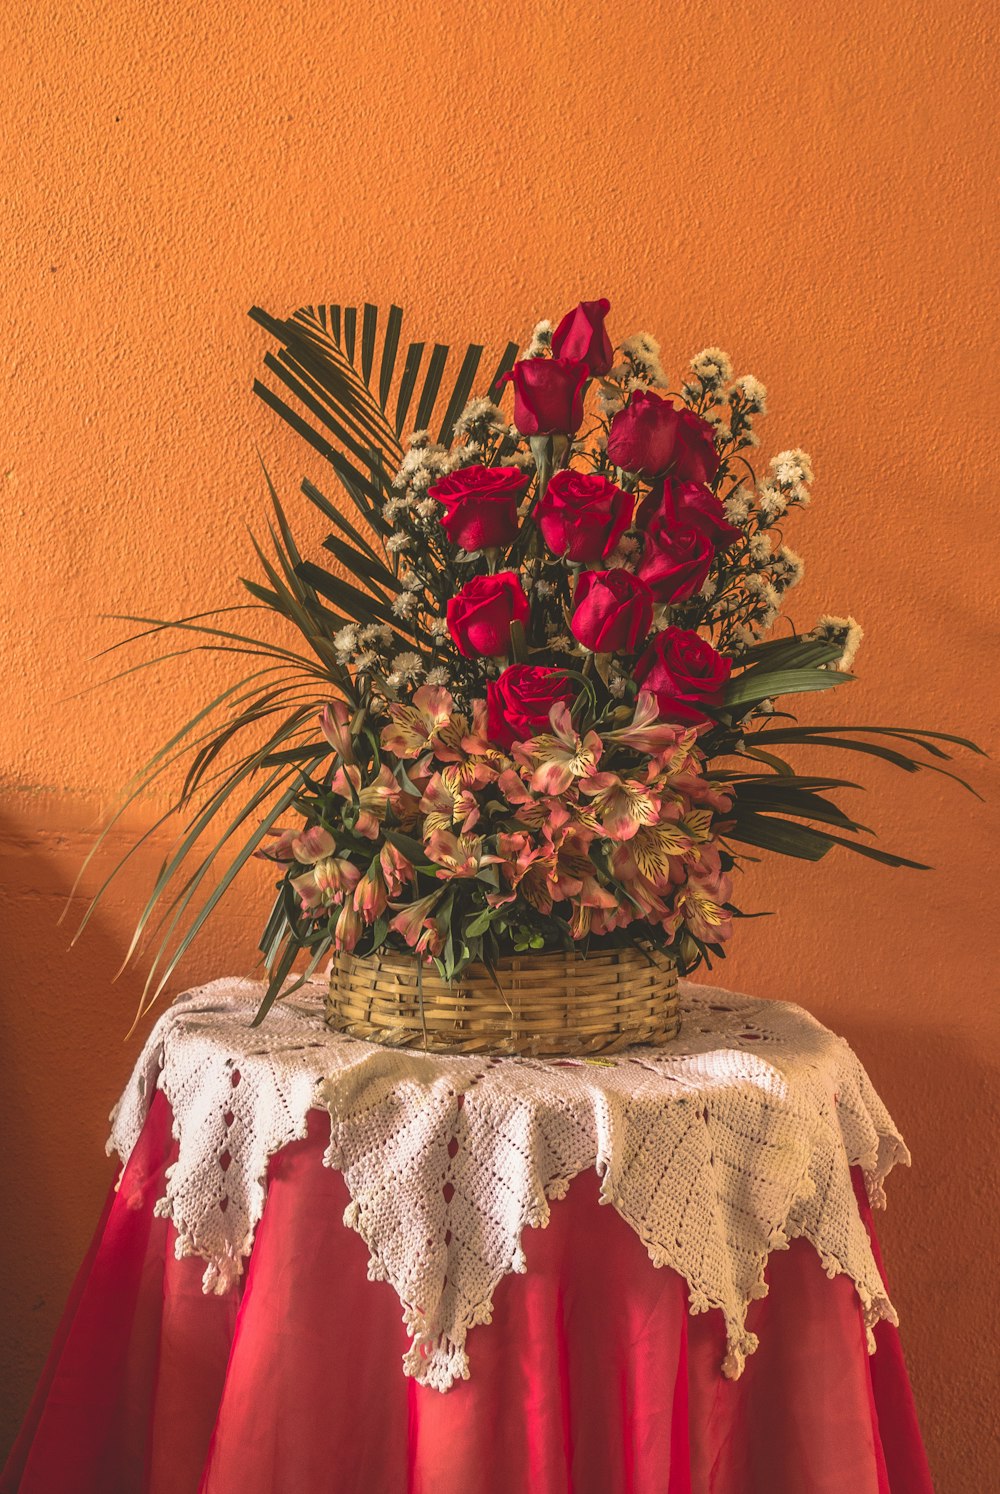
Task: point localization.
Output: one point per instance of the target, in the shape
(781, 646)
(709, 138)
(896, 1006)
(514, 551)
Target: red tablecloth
(592, 1378)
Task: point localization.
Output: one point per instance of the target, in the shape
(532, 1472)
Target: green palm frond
(891, 750)
(320, 352)
(275, 707)
(771, 832)
(343, 380)
(768, 807)
(344, 390)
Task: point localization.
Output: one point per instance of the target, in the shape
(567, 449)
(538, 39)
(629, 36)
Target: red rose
(651, 436)
(519, 702)
(689, 503)
(676, 560)
(582, 515)
(682, 671)
(695, 456)
(641, 438)
(548, 395)
(612, 613)
(480, 615)
(581, 335)
(480, 505)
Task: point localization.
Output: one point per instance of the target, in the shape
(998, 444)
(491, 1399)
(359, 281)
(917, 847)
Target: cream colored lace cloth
(717, 1150)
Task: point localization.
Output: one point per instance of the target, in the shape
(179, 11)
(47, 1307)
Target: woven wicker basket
(552, 1005)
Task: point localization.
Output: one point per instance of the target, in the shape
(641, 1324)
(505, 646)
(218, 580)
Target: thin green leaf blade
(460, 393)
(390, 347)
(432, 384)
(751, 687)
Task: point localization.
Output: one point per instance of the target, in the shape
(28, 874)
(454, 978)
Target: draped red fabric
(592, 1378)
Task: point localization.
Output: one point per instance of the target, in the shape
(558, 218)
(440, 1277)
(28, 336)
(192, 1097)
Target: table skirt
(592, 1378)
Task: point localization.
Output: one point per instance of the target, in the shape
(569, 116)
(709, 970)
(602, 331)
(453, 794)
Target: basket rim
(405, 961)
(546, 1004)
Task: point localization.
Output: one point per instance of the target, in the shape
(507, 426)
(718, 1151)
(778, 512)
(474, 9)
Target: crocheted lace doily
(716, 1150)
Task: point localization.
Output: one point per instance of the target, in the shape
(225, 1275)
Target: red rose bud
(695, 456)
(684, 673)
(480, 615)
(676, 560)
(548, 395)
(694, 503)
(689, 503)
(613, 612)
(582, 515)
(519, 702)
(652, 437)
(641, 438)
(480, 505)
(581, 335)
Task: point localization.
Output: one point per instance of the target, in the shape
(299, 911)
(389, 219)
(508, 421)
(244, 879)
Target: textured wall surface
(807, 186)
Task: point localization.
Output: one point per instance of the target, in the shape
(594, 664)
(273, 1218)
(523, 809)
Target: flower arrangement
(537, 707)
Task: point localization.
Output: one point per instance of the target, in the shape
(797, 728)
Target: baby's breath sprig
(642, 367)
(711, 370)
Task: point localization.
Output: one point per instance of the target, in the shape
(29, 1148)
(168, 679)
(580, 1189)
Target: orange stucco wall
(807, 186)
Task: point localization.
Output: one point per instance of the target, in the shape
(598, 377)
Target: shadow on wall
(65, 1057)
(60, 1063)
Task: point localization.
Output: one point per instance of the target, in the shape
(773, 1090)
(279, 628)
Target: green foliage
(342, 394)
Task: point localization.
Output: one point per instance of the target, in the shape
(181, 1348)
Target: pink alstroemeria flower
(431, 941)
(313, 845)
(447, 802)
(371, 896)
(704, 791)
(518, 853)
(588, 919)
(621, 804)
(476, 772)
(560, 757)
(589, 896)
(348, 928)
(569, 829)
(397, 869)
(606, 920)
(372, 799)
(706, 870)
(513, 788)
(647, 733)
(280, 848)
(643, 896)
(594, 894)
(552, 871)
(428, 724)
(531, 810)
(476, 743)
(649, 853)
(304, 846)
(527, 868)
(457, 855)
(335, 724)
(415, 925)
(327, 884)
(703, 914)
(573, 877)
